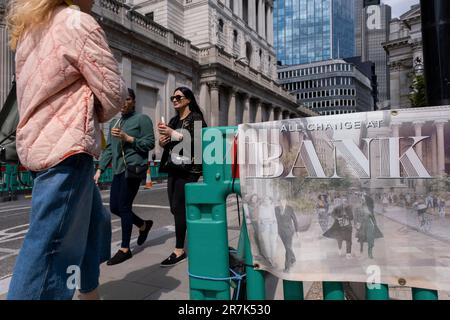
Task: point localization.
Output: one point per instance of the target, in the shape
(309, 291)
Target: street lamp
(418, 66)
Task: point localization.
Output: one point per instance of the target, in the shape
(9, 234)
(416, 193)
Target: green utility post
(377, 292)
(424, 294)
(207, 218)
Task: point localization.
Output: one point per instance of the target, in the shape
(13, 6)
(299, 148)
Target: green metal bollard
(380, 293)
(256, 286)
(424, 294)
(293, 290)
(333, 291)
(207, 224)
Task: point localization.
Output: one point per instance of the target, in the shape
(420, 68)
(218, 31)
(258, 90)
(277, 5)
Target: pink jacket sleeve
(101, 71)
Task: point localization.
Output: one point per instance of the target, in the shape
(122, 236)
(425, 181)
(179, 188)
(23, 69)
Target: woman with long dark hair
(181, 168)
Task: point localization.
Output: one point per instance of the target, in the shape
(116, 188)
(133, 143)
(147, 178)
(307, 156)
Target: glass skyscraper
(307, 31)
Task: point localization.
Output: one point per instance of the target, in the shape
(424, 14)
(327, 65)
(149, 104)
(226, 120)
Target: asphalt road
(14, 218)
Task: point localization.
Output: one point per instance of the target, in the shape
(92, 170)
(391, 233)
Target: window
(220, 25)
(232, 5)
(150, 15)
(235, 35)
(245, 11)
(249, 52)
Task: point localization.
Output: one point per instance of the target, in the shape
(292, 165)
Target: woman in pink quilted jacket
(67, 83)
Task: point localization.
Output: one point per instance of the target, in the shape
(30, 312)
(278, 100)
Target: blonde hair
(22, 15)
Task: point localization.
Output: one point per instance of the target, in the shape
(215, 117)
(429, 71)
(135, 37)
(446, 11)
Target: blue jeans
(69, 234)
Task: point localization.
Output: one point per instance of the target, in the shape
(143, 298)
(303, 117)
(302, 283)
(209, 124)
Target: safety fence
(212, 274)
(16, 179)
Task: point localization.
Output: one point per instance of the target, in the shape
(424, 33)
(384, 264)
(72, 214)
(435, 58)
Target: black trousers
(177, 202)
(123, 192)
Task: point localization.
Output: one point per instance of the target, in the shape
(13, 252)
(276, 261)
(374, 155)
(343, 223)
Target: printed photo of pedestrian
(441, 206)
(253, 205)
(130, 140)
(68, 81)
(342, 228)
(268, 230)
(184, 169)
(287, 228)
(322, 212)
(366, 225)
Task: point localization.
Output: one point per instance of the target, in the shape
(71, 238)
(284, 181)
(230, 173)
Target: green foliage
(418, 96)
(440, 186)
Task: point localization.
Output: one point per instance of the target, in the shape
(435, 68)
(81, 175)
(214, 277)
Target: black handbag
(133, 171)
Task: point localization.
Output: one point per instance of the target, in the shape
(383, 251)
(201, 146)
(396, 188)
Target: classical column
(418, 133)
(258, 111)
(440, 146)
(269, 22)
(271, 112)
(6, 64)
(214, 87)
(239, 8)
(126, 67)
(171, 84)
(261, 18)
(246, 107)
(232, 108)
(205, 102)
(395, 127)
(252, 14)
(434, 152)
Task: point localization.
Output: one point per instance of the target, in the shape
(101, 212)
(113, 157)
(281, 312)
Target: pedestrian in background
(188, 112)
(287, 228)
(67, 82)
(129, 142)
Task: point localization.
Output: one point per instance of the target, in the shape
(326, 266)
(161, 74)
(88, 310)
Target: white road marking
(144, 206)
(154, 234)
(14, 209)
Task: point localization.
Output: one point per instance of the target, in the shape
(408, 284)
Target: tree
(418, 96)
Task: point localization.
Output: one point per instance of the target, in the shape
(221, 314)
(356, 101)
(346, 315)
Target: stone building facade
(155, 59)
(405, 55)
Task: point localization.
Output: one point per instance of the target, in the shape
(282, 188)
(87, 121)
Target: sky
(400, 6)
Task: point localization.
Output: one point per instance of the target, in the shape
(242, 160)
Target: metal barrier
(209, 269)
(17, 179)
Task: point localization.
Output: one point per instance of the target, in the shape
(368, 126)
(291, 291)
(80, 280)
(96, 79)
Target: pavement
(142, 278)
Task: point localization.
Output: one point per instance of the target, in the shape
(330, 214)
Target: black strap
(8, 136)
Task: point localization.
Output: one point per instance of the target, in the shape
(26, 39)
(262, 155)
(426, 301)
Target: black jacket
(189, 126)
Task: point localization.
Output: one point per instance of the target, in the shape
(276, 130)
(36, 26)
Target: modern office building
(307, 31)
(371, 31)
(329, 87)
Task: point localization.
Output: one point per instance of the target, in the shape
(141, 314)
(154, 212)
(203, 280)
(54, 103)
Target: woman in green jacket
(129, 142)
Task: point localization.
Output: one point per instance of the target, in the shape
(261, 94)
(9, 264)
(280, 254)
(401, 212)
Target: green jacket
(138, 126)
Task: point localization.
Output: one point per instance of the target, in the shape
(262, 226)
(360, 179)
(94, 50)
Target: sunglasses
(177, 98)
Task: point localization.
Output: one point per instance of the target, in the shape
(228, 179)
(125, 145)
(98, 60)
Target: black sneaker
(173, 260)
(143, 234)
(119, 257)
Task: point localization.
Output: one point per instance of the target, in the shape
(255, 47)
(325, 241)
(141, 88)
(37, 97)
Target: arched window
(235, 36)
(220, 25)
